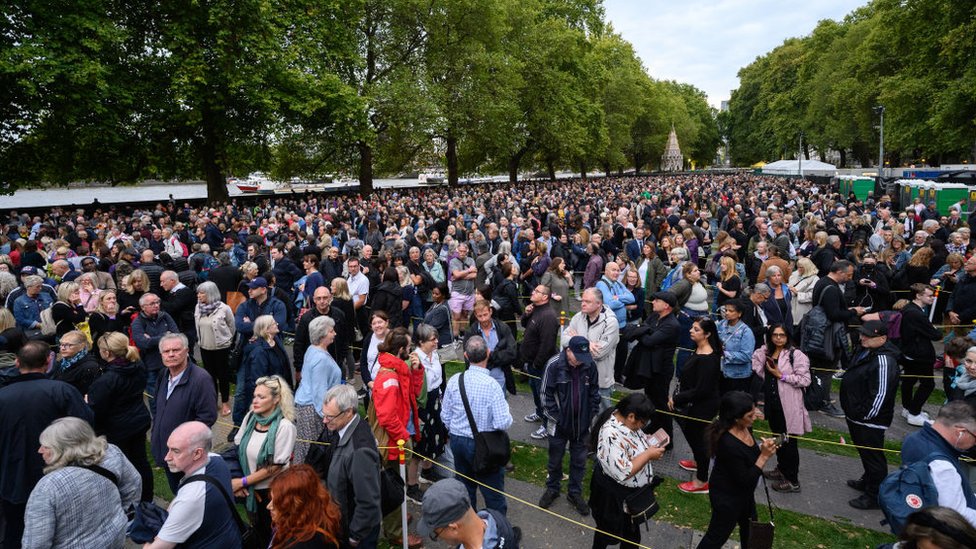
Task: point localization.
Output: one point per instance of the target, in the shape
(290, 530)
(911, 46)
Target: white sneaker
(532, 418)
(539, 433)
(925, 414)
(904, 413)
(918, 420)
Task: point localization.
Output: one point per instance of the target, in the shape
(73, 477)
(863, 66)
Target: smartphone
(780, 439)
(659, 439)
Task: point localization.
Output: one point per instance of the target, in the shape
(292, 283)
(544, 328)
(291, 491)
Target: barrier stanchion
(403, 474)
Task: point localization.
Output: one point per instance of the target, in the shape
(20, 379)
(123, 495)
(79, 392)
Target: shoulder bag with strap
(761, 533)
(492, 449)
(248, 539)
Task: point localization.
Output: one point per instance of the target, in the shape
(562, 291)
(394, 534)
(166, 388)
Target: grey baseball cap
(446, 501)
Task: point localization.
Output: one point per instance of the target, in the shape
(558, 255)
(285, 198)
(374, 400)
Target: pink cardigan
(795, 378)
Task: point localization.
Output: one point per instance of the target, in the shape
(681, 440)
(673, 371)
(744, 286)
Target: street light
(880, 110)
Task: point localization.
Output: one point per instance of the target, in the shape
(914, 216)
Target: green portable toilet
(862, 186)
(948, 194)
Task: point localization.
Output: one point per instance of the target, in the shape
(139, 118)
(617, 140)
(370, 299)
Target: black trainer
(865, 502)
(579, 503)
(857, 484)
(547, 498)
(415, 494)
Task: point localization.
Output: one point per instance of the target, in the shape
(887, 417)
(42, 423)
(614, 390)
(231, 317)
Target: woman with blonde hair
(11, 337)
(75, 364)
(67, 311)
(107, 318)
(264, 444)
(729, 285)
(121, 415)
(801, 284)
(77, 503)
(342, 300)
(215, 333)
(263, 356)
(134, 285)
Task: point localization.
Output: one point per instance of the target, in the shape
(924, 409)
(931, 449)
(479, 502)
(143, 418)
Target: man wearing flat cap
(447, 515)
(867, 395)
(570, 400)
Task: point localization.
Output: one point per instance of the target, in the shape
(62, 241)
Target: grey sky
(706, 42)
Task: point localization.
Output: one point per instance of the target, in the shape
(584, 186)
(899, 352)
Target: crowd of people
(713, 299)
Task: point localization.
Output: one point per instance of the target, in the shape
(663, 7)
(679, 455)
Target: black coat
(80, 375)
(339, 346)
(389, 298)
(867, 390)
(227, 278)
(917, 335)
(657, 338)
(180, 305)
(116, 399)
(505, 352)
(28, 404)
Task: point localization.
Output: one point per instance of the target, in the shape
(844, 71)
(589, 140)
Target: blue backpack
(907, 490)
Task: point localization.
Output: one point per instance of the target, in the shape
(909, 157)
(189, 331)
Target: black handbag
(761, 533)
(391, 491)
(641, 504)
(231, 457)
(492, 449)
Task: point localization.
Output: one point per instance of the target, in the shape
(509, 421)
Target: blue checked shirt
(487, 400)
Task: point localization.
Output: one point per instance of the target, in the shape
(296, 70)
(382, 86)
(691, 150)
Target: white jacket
(604, 332)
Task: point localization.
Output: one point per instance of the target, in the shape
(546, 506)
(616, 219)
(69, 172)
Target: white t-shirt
(186, 509)
(358, 285)
(284, 445)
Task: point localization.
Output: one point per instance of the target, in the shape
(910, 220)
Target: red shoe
(690, 488)
(688, 465)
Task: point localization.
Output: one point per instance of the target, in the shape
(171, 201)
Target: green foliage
(914, 57)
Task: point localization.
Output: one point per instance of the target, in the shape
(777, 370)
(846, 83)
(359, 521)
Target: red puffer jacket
(395, 392)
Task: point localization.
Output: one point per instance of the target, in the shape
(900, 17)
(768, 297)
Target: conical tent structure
(671, 160)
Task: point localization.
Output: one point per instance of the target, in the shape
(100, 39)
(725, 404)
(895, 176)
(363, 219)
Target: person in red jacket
(395, 390)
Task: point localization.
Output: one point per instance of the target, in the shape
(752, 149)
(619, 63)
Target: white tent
(792, 167)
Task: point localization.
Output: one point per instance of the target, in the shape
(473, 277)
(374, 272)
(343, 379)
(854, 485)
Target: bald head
(147, 256)
(188, 447)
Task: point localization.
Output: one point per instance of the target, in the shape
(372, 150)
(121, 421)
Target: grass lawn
(793, 530)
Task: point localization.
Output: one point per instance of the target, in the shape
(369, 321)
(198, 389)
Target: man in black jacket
(867, 394)
(829, 294)
(179, 302)
(28, 404)
(284, 269)
(353, 473)
(963, 308)
(538, 346)
(918, 354)
(571, 400)
(501, 345)
(651, 363)
(323, 306)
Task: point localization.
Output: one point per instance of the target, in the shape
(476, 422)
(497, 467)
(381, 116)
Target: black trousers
(913, 400)
(134, 449)
(695, 435)
(602, 541)
(217, 364)
(874, 462)
(788, 454)
(725, 517)
(744, 384)
(620, 360)
(577, 464)
(657, 389)
(822, 370)
(13, 516)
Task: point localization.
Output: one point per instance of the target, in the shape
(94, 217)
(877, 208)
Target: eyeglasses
(64, 345)
(328, 417)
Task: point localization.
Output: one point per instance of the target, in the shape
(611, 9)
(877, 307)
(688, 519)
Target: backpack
(816, 337)
(48, 326)
(202, 264)
(907, 490)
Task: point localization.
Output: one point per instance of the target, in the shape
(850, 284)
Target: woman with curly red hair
(303, 514)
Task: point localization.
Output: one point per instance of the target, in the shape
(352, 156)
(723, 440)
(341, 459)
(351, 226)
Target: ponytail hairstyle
(117, 345)
(734, 405)
(708, 326)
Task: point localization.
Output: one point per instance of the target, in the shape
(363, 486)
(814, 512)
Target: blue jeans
(463, 449)
(605, 396)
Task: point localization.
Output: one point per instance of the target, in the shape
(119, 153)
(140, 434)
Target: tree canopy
(125, 90)
(913, 57)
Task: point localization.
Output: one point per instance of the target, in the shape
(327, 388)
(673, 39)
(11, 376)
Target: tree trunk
(637, 164)
(216, 185)
(843, 157)
(452, 161)
(582, 168)
(365, 168)
(551, 168)
(514, 162)
(607, 169)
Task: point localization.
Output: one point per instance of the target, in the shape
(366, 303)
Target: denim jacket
(738, 343)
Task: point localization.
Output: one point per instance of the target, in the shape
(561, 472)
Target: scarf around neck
(66, 363)
(267, 451)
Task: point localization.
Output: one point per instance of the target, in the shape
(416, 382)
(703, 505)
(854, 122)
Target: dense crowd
(713, 299)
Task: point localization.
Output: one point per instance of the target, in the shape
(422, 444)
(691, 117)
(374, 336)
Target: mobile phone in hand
(659, 439)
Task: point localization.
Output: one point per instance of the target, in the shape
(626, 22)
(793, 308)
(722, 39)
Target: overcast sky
(706, 42)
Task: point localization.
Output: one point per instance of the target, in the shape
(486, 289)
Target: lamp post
(880, 110)
(799, 157)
